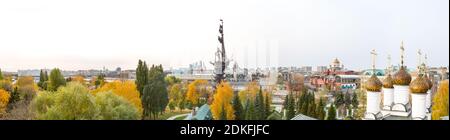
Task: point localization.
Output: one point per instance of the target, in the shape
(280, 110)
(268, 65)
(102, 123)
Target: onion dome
(388, 82)
(336, 61)
(430, 84)
(373, 84)
(419, 85)
(402, 77)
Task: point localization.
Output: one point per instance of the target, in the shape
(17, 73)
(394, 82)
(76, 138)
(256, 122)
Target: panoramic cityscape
(395, 76)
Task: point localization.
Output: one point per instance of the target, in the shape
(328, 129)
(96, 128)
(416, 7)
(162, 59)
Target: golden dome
(430, 84)
(402, 77)
(336, 62)
(388, 82)
(373, 84)
(419, 85)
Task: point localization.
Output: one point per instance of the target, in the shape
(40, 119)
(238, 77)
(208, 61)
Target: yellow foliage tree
(440, 102)
(196, 90)
(250, 91)
(27, 88)
(125, 89)
(25, 81)
(78, 78)
(222, 102)
(4, 99)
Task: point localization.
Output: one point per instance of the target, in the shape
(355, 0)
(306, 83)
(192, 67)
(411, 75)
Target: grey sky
(87, 34)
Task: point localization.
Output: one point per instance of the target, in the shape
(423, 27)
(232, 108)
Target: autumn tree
(222, 102)
(440, 101)
(296, 83)
(74, 102)
(6, 85)
(26, 88)
(198, 92)
(362, 99)
(79, 79)
(4, 100)
(249, 93)
(177, 95)
(124, 89)
(56, 80)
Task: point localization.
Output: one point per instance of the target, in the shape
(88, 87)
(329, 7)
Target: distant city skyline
(87, 34)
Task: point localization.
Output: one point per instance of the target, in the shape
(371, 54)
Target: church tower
(373, 87)
(401, 81)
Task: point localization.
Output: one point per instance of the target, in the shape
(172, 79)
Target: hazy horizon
(92, 34)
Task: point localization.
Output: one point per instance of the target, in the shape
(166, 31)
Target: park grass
(180, 118)
(169, 114)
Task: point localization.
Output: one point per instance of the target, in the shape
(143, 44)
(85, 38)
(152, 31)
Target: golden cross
(389, 63)
(374, 54)
(402, 52)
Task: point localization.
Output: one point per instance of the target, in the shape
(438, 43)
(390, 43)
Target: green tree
(171, 80)
(182, 104)
(291, 107)
(14, 98)
(286, 102)
(114, 107)
(267, 105)
(250, 110)
(275, 116)
(1, 74)
(71, 102)
(355, 102)
(331, 113)
(43, 78)
(100, 80)
(155, 97)
(340, 102)
(56, 79)
(320, 112)
(141, 76)
(312, 106)
(259, 106)
(172, 105)
(238, 109)
(347, 101)
(305, 104)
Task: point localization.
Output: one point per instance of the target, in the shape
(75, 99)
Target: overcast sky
(90, 34)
